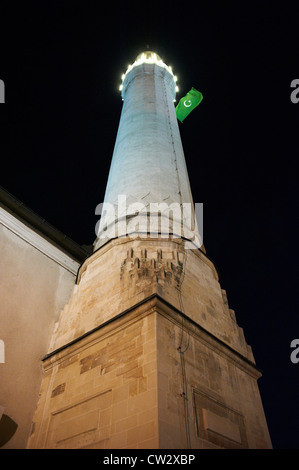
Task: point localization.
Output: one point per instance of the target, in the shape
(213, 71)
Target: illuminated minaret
(147, 353)
(148, 170)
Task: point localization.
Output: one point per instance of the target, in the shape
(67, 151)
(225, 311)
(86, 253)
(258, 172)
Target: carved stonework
(140, 268)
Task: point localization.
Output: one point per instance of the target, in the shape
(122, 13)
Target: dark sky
(62, 62)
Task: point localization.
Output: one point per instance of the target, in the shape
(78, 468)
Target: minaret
(147, 353)
(148, 170)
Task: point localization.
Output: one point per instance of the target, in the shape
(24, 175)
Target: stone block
(158, 363)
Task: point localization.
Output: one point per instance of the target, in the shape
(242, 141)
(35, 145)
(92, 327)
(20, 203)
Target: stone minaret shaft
(148, 166)
(147, 353)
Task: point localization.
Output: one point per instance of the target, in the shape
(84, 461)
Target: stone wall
(149, 379)
(125, 271)
(147, 354)
(101, 391)
(208, 394)
(36, 280)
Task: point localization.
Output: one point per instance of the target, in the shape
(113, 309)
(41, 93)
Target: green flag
(188, 103)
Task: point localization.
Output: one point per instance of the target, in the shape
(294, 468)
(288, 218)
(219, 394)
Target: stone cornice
(38, 224)
(150, 305)
(177, 241)
(37, 241)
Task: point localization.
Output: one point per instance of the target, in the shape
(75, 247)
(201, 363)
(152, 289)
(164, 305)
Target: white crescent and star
(189, 103)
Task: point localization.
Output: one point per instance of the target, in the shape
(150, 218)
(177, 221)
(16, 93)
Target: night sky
(62, 64)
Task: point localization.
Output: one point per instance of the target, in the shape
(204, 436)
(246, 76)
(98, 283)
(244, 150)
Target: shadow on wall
(7, 428)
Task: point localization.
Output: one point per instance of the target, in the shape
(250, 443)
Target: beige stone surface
(109, 397)
(127, 270)
(207, 394)
(33, 290)
(147, 354)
